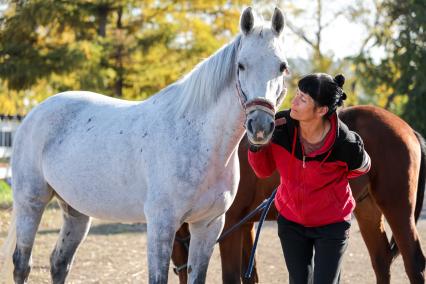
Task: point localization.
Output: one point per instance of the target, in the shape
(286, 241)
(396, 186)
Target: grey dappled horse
(164, 161)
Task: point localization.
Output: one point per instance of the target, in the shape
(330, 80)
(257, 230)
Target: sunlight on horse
(167, 160)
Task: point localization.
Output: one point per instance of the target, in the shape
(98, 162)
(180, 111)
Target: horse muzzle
(260, 122)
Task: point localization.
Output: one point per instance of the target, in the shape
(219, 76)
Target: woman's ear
(322, 110)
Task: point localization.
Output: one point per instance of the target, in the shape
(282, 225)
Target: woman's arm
(363, 168)
(359, 161)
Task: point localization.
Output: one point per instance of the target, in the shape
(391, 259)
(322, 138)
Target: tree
(127, 48)
(309, 21)
(401, 72)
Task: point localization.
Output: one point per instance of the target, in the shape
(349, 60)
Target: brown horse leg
(401, 221)
(411, 251)
(230, 255)
(180, 253)
(371, 224)
(248, 240)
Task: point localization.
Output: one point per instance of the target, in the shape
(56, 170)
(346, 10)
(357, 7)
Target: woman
(316, 155)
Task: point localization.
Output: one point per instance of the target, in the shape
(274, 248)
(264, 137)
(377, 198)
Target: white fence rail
(8, 126)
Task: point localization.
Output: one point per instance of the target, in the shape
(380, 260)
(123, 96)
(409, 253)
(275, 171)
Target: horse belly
(103, 197)
(96, 173)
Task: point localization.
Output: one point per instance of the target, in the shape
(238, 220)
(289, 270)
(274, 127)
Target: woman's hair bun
(340, 80)
(341, 99)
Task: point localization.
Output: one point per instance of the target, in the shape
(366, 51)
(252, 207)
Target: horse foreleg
(371, 224)
(230, 255)
(203, 238)
(73, 231)
(160, 232)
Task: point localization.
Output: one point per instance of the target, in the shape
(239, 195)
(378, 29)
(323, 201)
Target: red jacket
(314, 188)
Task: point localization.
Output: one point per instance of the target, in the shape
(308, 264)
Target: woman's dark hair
(324, 89)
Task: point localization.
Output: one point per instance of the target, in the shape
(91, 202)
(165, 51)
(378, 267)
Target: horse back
(380, 129)
(391, 144)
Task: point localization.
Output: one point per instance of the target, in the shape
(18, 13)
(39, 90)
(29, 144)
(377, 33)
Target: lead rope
(242, 221)
(259, 227)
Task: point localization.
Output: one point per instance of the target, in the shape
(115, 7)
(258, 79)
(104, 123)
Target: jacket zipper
(302, 193)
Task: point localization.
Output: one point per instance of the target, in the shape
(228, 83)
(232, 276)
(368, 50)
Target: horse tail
(6, 252)
(422, 178)
(420, 189)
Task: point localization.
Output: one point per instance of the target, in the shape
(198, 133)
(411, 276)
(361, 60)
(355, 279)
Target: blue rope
(245, 219)
(259, 227)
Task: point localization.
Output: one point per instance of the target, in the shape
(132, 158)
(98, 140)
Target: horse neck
(200, 89)
(225, 123)
(208, 97)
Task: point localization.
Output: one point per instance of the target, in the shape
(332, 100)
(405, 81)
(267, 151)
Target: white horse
(164, 161)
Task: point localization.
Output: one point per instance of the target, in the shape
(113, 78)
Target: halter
(254, 104)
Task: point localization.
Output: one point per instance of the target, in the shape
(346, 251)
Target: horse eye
(283, 67)
(241, 67)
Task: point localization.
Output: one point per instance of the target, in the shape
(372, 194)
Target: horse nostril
(271, 126)
(250, 125)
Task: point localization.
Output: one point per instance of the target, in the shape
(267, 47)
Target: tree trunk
(119, 83)
(103, 11)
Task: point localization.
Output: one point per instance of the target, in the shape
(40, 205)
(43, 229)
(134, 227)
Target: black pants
(313, 254)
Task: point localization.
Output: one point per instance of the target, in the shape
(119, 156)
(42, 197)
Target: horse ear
(247, 21)
(278, 21)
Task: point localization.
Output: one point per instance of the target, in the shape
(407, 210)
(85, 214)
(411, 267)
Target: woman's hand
(255, 148)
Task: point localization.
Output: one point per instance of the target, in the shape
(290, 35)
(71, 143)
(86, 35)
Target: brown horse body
(393, 189)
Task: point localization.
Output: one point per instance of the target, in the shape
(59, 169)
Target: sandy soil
(115, 253)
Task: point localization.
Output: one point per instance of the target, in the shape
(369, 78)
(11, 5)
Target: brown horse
(393, 189)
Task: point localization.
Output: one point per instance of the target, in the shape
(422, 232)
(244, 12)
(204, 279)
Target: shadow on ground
(106, 229)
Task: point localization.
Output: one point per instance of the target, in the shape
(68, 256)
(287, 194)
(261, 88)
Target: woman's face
(303, 107)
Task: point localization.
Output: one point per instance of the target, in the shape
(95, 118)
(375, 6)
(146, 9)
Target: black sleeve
(283, 116)
(354, 154)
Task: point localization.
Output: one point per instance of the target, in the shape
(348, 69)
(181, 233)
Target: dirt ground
(116, 253)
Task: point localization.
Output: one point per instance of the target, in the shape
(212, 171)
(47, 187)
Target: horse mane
(202, 86)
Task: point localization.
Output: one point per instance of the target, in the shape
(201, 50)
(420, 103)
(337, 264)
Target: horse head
(261, 66)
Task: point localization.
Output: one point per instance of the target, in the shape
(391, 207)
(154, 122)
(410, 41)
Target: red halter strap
(260, 104)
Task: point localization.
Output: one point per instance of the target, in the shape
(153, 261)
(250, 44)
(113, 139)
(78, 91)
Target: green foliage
(318, 17)
(127, 48)
(5, 194)
(133, 48)
(409, 53)
(399, 79)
